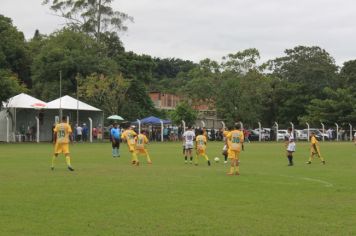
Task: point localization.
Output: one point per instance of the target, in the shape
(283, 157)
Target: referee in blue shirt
(115, 140)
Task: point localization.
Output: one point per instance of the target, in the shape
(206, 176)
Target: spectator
(85, 132)
(79, 133)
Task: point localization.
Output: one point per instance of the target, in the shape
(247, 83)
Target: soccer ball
(216, 159)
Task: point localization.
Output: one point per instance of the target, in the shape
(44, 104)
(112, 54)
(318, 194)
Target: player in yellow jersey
(61, 139)
(314, 149)
(141, 141)
(129, 136)
(224, 152)
(200, 147)
(235, 139)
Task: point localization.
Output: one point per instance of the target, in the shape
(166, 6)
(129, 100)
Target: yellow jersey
(141, 140)
(235, 139)
(201, 142)
(62, 131)
(129, 135)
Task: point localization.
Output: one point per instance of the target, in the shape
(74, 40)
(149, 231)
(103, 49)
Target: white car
(281, 134)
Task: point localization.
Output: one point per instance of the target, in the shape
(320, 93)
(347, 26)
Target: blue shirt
(115, 133)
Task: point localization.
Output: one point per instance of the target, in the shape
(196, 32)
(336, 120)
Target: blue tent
(154, 121)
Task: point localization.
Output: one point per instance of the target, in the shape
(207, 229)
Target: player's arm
(54, 136)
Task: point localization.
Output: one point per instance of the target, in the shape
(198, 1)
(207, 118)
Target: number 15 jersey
(63, 131)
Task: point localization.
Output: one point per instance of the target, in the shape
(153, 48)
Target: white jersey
(189, 136)
(291, 144)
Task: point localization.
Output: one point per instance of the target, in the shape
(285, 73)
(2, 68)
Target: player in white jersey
(188, 142)
(290, 145)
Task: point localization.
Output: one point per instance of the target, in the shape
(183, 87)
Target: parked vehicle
(281, 134)
(318, 134)
(301, 134)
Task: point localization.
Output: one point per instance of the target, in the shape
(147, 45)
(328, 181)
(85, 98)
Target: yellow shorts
(131, 148)
(233, 155)
(61, 148)
(141, 151)
(201, 151)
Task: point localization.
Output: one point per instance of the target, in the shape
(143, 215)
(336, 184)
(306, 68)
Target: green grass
(106, 196)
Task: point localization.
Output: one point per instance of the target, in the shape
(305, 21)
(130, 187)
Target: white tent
(76, 111)
(69, 103)
(21, 119)
(22, 100)
(20, 115)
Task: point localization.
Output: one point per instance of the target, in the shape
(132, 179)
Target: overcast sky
(198, 29)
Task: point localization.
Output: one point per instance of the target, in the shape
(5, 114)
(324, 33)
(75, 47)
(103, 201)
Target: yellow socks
(68, 160)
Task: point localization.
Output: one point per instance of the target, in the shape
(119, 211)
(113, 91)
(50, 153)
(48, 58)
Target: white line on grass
(325, 183)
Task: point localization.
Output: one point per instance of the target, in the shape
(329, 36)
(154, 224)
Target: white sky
(198, 29)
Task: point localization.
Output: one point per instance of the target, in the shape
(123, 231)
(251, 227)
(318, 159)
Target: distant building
(167, 101)
(164, 101)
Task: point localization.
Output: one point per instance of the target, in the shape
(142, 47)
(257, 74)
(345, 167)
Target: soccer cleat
(137, 163)
(52, 168)
(186, 162)
(70, 168)
(209, 163)
(323, 162)
(290, 164)
(308, 162)
(237, 173)
(230, 173)
(133, 162)
(149, 162)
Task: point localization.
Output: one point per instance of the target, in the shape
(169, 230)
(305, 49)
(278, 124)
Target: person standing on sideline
(355, 138)
(129, 135)
(61, 137)
(188, 138)
(314, 149)
(85, 133)
(115, 134)
(79, 133)
(200, 147)
(141, 141)
(235, 140)
(290, 145)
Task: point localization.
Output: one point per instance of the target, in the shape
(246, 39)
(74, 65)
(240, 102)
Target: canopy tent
(22, 100)
(25, 116)
(19, 115)
(77, 111)
(69, 103)
(152, 120)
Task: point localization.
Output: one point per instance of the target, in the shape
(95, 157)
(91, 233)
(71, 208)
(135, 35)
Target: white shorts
(188, 146)
(291, 147)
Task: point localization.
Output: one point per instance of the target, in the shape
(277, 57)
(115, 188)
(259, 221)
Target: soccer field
(107, 196)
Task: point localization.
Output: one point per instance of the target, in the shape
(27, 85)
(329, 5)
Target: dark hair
(64, 118)
(290, 129)
(237, 126)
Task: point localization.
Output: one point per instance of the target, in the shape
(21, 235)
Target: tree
(241, 62)
(300, 77)
(14, 54)
(184, 112)
(94, 17)
(108, 93)
(137, 103)
(338, 106)
(9, 85)
(242, 98)
(71, 53)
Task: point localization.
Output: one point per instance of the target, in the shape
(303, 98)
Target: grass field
(106, 196)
